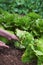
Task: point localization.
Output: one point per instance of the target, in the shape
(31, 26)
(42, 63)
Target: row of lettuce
(29, 29)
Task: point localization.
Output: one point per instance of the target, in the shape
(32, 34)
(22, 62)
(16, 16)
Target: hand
(2, 44)
(8, 35)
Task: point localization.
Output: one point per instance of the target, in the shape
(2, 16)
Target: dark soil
(12, 56)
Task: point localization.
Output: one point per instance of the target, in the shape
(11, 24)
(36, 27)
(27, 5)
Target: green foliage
(39, 50)
(34, 47)
(25, 37)
(22, 6)
(29, 29)
(4, 40)
(28, 55)
(37, 28)
(39, 24)
(15, 20)
(32, 50)
(33, 15)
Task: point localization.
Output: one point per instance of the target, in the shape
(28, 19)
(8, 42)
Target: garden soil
(12, 56)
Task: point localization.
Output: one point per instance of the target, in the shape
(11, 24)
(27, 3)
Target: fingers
(2, 44)
(14, 37)
(8, 35)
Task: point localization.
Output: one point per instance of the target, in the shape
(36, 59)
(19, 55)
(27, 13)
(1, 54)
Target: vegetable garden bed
(12, 56)
(24, 33)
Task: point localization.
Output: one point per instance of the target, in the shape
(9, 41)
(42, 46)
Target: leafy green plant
(15, 20)
(33, 47)
(22, 6)
(29, 32)
(25, 38)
